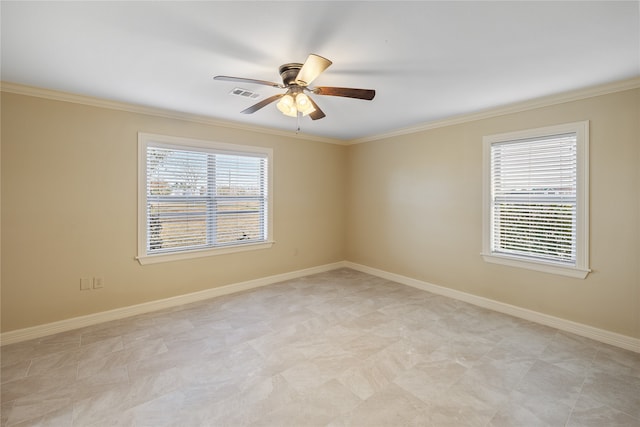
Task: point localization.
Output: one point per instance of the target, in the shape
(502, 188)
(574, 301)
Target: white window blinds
(533, 198)
(197, 198)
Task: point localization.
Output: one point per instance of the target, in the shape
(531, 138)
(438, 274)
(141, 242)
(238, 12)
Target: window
(199, 198)
(536, 199)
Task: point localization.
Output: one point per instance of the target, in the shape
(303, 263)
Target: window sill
(177, 256)
(545, 267)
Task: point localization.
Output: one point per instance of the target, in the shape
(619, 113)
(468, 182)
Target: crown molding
(545, 101)
(531, 104)
(55, 95)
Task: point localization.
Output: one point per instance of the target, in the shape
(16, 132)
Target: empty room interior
(320, 213)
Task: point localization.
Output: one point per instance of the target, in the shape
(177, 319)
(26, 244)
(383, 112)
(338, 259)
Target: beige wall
(409, 205)
(69, 180)
(415, 209)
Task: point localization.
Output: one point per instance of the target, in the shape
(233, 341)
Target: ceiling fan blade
(312, 67)
(243, 80)
(318, 114)
(263, 103)
(347, 92)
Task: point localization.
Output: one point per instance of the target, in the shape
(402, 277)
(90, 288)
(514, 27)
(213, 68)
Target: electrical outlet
(85, 283)
(98, 282)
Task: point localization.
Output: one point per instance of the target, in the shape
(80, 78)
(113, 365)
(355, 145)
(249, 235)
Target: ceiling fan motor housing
(289, 72)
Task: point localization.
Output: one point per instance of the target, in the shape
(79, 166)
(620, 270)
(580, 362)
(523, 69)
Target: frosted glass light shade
(303, 104)
(287, 106)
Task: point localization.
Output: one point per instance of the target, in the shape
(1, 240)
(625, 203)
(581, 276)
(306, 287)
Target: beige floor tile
(590, 412)
(619, 391)
(341, 348)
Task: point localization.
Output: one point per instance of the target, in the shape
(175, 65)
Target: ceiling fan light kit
(296, 78)
(295, 102)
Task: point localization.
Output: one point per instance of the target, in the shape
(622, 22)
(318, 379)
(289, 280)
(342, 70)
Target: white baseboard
(601, 335)
(121, 313)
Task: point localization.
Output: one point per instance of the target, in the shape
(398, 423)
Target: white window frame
(579, 269)
(148, 139)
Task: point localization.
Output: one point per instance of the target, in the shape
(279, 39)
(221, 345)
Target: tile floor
(335, 349)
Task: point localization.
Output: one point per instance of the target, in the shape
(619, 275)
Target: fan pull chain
(298, 122)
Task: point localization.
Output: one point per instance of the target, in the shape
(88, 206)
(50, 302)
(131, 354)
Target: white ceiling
(427, 60)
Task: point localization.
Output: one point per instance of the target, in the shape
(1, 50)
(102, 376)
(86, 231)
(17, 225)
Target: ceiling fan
(296, 78)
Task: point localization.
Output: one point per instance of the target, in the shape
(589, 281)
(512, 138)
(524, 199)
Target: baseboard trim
(40, 331)
(601, 335)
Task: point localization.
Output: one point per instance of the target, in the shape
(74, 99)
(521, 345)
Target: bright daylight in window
(536, 199)
(200, 198)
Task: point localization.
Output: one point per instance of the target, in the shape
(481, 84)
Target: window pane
(234, 228)
(177, 225)
(538, 230)
(176, 173)
(239, 176)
